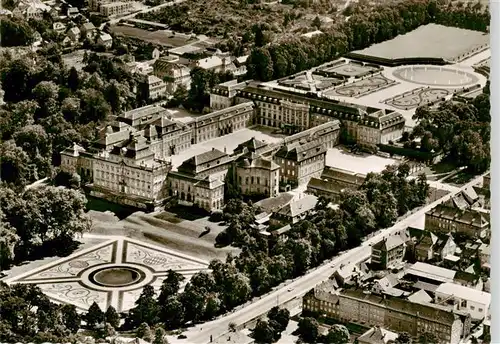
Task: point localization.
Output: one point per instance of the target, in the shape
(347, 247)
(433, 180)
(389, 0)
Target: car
(290, 289)
(181, 336)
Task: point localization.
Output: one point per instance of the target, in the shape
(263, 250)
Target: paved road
(201, 333)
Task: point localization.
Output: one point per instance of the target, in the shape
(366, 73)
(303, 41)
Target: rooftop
(432, 272)
(404, 306)
(299, 207)
(272, 204)
(378, 335)
(464, 293)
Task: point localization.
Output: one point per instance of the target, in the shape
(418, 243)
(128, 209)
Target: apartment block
(389, 252)
(395, 314)
(445, 219)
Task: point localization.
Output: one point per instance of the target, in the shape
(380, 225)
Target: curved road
(297, 288)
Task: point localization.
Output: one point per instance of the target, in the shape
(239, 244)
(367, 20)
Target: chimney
(225, 149)
(213, 149)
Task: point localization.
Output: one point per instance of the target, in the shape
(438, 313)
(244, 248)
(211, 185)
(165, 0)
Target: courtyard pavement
(225, 143)
(337, 157)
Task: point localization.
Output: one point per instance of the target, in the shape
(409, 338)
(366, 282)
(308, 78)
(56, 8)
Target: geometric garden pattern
(112, 273)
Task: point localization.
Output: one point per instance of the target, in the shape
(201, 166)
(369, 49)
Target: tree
(403, 338)
(94, 316)
(8, 241)
(108, 330)
(146, 309)
(428, 338)
(33, 140)
(172, 312)
(14, 165)
(17, 80)
(159, 336)
(73, 79)
(337, 334)
(15, 32)
(170, 286)
(281, 316)
(71, 318)
(308, 329)
(263, 332)
(144, 332)
(317, 23)
(112, 317)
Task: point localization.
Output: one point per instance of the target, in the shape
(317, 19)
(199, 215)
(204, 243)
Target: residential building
(470, 300)
(273, 204)
(297, 210)
(241, 65)
(30, 9)
(485, 255)
(88, 30)
(399, 315)
(425, 245)
(59, 27)
(105, 40)
(115, 8)
(465, 199)
(388, 253)
(200, 180)
(486, 181)
(377, 335)
(445, 219)
(72, 12)
(150, 87)
(352, 274)
(299, 162)
(174, 74)
(343, 178)
(323, 299)
(216, 64)
(74, 34)
(325, 188)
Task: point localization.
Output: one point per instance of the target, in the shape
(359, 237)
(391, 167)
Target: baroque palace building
(294, 112)
(129, 162)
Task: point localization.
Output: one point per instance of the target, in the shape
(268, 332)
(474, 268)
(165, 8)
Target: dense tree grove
(40, 222)
(27, 315)
(365, 26)
(15, 32)
(49, 107)
(461, 130)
